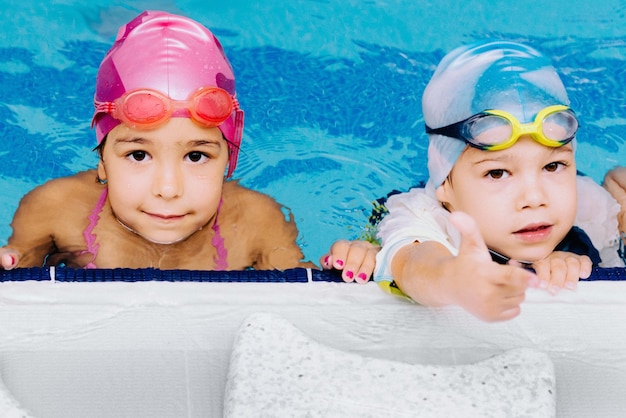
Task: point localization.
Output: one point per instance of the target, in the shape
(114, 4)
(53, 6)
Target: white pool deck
(162, 349)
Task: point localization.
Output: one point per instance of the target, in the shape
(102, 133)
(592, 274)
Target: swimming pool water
(331, 90)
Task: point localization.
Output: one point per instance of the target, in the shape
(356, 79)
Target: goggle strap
(104, 107)
(232, 163)
(101, 107)
(235, 104)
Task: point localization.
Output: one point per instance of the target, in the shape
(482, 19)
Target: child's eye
(138, 155)
(555, 166)
(197, 156)
(497, 174)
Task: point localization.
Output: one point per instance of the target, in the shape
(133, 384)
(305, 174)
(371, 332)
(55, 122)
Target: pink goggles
(148, 109)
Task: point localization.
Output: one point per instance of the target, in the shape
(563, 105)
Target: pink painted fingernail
(349, 274)
(339, 263)
(362, 276)
(326, 260)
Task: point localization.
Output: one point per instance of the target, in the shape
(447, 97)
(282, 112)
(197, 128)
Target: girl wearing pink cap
(168, 126)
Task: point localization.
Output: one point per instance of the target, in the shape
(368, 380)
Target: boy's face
(164, 183)
(523, 198)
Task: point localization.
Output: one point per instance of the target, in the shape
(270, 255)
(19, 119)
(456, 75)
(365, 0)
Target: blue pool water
(331, 90)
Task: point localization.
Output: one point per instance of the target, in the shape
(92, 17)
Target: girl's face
(164, 183)
(523, 198)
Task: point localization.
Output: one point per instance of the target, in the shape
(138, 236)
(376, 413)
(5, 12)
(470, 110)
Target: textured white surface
(158, 349)
(277, 371)
(9, 407)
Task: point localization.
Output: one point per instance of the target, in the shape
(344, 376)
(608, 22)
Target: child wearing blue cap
(500, 212)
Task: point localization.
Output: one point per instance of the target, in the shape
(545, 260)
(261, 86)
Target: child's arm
(31, 240)
(356, 259)
(429, 274)
(615, 183)
(52, 214)
(280, 249)
(278, 245)
(266, 231)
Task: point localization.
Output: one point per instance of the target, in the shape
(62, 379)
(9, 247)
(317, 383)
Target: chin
(533, 256)
(164, 240)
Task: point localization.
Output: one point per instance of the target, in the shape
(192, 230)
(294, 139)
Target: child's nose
(168, 181)
(533, 193)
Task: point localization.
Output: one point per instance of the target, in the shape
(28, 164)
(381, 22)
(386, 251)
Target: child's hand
(356, 259)
(562, 270)
(8, 258)
(615, 183)
(488, 290)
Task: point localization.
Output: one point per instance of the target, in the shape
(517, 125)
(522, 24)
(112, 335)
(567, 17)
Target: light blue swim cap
(487, 75)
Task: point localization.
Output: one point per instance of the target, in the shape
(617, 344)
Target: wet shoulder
(241, 202)
(81, 187)
(235, 192)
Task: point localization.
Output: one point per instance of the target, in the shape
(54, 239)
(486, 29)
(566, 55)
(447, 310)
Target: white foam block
(161, 349)
(278, 371)
(9, 406)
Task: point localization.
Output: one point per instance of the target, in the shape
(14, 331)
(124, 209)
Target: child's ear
(443, 193)
(102, 173)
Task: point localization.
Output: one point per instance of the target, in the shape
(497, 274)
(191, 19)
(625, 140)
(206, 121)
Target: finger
(367, 265)
(9, 260)
(352, 264)
(531, 279)
(510, 305)
(558, 272)
(586, 266)
(336, 256)
(471, 239)
(339, 253)
(572, 273)
(542, 270)
(515, 282)
(512, 302)
(359, 261)
(577, 267)
(325, 261)
(510, 313)
(504, 310)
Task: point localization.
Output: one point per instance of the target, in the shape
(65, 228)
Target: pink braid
(218, 243)
(90, 237)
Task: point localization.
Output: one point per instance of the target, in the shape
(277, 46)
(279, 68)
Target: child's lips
(534, 232)
(165, 217)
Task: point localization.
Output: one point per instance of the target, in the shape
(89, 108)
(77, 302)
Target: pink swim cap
(173, 55)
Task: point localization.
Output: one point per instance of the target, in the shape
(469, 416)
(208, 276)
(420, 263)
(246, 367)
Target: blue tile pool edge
(295, 275)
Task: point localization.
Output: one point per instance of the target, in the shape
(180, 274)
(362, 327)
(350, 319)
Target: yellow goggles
(493, 130)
